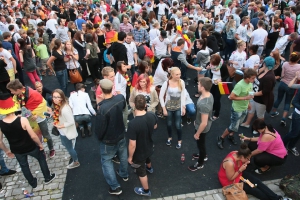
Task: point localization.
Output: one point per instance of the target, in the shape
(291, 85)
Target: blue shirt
(8, 46)
(79, 23)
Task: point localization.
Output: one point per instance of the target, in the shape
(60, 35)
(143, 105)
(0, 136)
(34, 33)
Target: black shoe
(124, 178)
(195, 156)
(82, 133)
(220, 142)
(116, 159)
(117, 191)
(90, 130)
(9, 173)
(35, 183)
(52, 177)
(231, 138)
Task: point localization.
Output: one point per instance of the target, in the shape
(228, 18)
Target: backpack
(290, 186)
(220, 40)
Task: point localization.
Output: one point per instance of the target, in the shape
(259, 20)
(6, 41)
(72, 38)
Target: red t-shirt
(291, 25)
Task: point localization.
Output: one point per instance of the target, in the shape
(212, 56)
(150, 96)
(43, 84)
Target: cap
(163, 34)
(269, 62)
(149, 3)
(80, 86)
(106, 84)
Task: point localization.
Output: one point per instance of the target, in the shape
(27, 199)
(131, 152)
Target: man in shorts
(240, 96)
(140, 147)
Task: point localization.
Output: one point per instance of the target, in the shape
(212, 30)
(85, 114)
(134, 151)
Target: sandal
(50, 73)
(43, 73)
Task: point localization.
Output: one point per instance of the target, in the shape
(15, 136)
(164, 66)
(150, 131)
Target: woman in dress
(63, 120)
(100, 40)
(172, 100)
(91, 56)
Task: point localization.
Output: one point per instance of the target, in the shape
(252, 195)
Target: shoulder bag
(231, 70)
(75, 76)
(235, 192)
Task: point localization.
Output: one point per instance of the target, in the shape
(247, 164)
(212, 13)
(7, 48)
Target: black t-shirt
(272, 40)
(3, 72)
(72, 14)
(59, 63)
(141, 129)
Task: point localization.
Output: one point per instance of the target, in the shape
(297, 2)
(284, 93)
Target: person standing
(22, 141)
(203, 120)
(140, 148)
(240, 97)
(259, 37)
(110, 131)
(33, 101)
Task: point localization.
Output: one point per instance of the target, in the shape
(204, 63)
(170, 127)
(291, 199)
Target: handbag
(235, 192)
(173, 104)
(75, 76)
(231, 70)
(55, 131)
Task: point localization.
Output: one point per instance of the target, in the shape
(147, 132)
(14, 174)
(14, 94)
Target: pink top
(288, 72)
(99, 91)
(275, 147)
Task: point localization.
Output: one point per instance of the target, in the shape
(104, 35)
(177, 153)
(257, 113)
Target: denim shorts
(236, 118)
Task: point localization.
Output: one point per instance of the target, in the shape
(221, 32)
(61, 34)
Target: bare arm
(203, 124)
(21, 56)
(14, 64)
(50, 61)
(131, 150)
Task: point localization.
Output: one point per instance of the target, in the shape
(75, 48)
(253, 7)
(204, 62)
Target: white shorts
(260, 109)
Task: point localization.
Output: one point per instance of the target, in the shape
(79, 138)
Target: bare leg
(144, 182)
(226, 132)
(249, 118)
(284, 114)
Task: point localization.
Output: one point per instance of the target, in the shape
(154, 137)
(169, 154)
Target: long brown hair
(276, 56)
(64, 100)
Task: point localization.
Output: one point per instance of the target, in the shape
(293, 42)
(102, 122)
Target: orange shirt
(42, 14)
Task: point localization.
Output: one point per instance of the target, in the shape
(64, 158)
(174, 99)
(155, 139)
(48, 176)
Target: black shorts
(141, 167)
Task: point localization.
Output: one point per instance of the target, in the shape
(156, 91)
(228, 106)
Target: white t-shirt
(208, 4)
(160, 46)
(238, 57)
(52, 24)
(7, 57)
(218, 9)
(259, 36)
(242, 32)
(153, 33)
(131, 49)
(137, 7)
(160, 75)
(120, 84)
(72, 64)
(253, 60)
(161, 8)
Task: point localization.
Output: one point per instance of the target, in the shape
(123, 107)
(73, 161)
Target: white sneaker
(73, 165)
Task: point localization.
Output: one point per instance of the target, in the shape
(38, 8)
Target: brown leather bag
(235, 192)
(74, 74)
(231, 70)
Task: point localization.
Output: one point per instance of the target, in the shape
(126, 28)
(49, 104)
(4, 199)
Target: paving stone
(191, 195)
(51, 186)
(16, 191)
(175, 197)
(198, 198)
(182, 196)
(208, 197)
(168, 198)
(37, 198)
(56, 196)
(199, 194)
(46, 197)
(211, 192)
(43, 193)
(219, 196)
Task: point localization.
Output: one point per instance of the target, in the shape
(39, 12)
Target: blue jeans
(283, 89)
(177, 115)
(293, 135)
(4, 169)
(40, 156)
(62, 77)
(107, 153)
(190, 110)
(80, 119)
(236, 118)
(230, 47)
(69, 146)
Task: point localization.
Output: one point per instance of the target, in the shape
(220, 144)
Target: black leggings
(262, 191)
(264, 158)
(93, 64)
(217, 99)
(84, 73)
(202, 148)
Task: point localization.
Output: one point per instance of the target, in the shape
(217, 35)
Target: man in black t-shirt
(140, 148)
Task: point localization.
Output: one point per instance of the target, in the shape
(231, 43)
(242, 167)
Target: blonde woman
(172, 100)
(63, 120)
(238, 57)
(144, 87)
(230, 41)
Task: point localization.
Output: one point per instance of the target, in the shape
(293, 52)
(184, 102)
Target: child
(42, 51)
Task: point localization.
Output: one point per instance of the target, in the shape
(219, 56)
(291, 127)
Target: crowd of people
(135, 56)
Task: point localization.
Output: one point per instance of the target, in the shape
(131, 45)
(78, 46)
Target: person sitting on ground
(232, 169)
(268, 149)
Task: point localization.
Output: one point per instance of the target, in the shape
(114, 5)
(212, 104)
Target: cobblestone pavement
(15, 185)
(217, 193)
